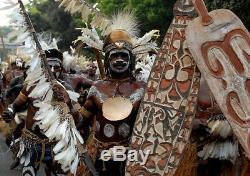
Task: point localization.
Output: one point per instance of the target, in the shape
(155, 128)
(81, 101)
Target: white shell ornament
(117, 108)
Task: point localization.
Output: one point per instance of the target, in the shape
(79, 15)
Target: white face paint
(55, 68)
(52, 69)
(57, 74)
(19, 62)
(119, 61)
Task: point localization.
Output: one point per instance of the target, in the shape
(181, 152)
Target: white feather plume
(86, 9)
(224, 147)
(68, 61)
(74, 165)
(40, 90)
(91, 38)
(52, 130)
(145, 64)
(148, 37)
(220, 127)
(142, 49)
(53, 122)
(59, 146)
(73, 95)
(124, 21)
(9, 2)
(223, 150)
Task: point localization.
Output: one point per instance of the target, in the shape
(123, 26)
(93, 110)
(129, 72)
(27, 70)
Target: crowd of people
(104, 114)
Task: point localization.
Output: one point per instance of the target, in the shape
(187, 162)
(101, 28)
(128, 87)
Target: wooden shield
(164, 121)
(220, 45)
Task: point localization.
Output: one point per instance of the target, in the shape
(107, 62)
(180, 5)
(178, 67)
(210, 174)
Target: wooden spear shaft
(100, 64)
(32, 30)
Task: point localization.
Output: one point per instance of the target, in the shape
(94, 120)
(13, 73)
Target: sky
(4, 20)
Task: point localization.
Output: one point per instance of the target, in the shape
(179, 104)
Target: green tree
(151, 14)
(4, 31)
(48, 18)
(158, 14)
(240, 8)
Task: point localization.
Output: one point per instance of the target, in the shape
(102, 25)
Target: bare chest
(131, 91)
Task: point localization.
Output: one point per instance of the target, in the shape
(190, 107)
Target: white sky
(4, 20)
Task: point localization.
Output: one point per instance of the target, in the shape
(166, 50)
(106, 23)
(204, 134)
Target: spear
(41, 52)
(100, 63)
(82, 151)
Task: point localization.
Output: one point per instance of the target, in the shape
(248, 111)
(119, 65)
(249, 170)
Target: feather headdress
(124, 22)
(126, 27)
(53, 118)
(81, 6)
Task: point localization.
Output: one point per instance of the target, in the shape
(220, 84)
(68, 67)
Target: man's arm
(87, 111)
(17, 106)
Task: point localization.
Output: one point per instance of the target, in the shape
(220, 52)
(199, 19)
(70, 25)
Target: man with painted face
(36, 146)
(113, 103)
(14, 70)
(55, 62)
(91, 70)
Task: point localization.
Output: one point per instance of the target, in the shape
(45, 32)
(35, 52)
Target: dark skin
(119, 84)
(108, 87)
(59, 94)
(117, 61)
(9, 75)
(91, 70)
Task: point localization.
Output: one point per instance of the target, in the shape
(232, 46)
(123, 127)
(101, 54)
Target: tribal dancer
(37, 147)
(112, 104)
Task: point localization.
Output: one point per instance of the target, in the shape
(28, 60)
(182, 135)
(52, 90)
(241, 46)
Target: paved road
(6, 160)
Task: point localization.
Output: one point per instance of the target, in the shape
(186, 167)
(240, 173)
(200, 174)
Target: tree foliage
(4, 30)
(239, 7)
(47, 17)
(151, 14)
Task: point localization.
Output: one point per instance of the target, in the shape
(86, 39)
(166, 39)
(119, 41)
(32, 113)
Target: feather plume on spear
(53, 117)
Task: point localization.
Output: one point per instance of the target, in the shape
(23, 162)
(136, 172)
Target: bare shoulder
(139, 84)
(100, 84)
(79, 79)
(94, 89)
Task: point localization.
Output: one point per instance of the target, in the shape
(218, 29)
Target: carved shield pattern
(222, 53)
(163, 124)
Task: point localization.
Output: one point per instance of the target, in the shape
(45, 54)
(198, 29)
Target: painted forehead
(123, 51)
(54, 59)
(54, 63)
